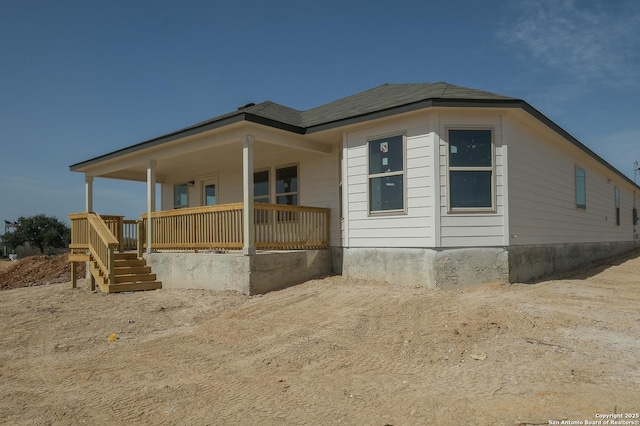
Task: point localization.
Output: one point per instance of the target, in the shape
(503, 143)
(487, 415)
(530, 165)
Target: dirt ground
(330, 351)
(36, 270)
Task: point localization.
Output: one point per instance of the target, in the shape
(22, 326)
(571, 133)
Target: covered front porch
(184, 241)
(224, 194)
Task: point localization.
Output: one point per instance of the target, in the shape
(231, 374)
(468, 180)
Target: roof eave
(566, 135)
(189, 131)
(415, 106)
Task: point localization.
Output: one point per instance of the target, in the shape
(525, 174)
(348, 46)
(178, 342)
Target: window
(471, 180)
(180, 197)
(287, 185)
(340, 162)
(617, 198)
(261, 186)
(386, 174)
(581, 188)
(209, 194)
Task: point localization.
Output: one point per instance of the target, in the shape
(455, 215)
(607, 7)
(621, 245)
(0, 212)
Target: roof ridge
(446, 87)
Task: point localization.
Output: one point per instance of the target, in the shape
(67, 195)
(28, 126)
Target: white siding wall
(542, 206)
(472, 229)
(414, 229)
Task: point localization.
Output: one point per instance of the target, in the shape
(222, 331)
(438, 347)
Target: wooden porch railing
(91, 234)
(125, 231)
(102, 246)
(283, 227)
(198, 228)
(79, 234)
(277, 227)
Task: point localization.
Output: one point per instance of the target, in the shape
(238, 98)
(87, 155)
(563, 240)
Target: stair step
(123, 270)
(134, 278)
(132, 286)
(96, 272)
(125, 256)
(130, 274)
(129, 262)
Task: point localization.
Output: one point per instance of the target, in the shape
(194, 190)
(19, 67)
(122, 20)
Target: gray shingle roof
(387, 99)
(390, 96)
(381, 98)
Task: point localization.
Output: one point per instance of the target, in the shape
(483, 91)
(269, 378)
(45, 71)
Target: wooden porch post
(151, 200)
(88, 190)
(74, 275)
(248, 228)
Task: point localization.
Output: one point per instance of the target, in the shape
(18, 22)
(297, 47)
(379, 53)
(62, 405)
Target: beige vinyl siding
(413, 229)
(481, 229)
(542, 203)
(166, 194)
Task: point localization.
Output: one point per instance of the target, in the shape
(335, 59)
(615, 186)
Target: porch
(204, 247)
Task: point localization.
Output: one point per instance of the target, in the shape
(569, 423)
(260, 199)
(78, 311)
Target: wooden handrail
(219, 227)
(102, 246)
(284, 227)
(278, 227)
(197, 228)
(194, 210)
(288, 208)
(89, 232)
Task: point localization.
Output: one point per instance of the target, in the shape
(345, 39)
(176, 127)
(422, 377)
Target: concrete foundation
(431, 268)
(447, 268)
(532, 262)
(261, 273)
(453, 268)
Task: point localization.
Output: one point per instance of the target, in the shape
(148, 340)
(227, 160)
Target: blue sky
(81, 78)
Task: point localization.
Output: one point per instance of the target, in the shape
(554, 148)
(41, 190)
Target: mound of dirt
(38, 270)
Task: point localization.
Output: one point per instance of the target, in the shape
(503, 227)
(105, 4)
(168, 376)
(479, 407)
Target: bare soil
(330, 351)
(37, 270)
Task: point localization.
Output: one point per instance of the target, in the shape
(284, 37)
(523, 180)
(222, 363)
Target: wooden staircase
(131, 273)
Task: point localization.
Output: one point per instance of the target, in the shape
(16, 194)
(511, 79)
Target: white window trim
(202, 180)
(268, 170)
(492, 169)
(396, 212)
(275, 182)
(173, 195)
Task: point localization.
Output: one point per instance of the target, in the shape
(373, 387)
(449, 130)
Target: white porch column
(151, 199)
(88, 190)
(248, 228)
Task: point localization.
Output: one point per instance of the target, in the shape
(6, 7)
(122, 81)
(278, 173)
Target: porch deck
(211, 229)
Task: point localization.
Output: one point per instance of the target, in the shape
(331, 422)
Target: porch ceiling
(197, 163)
(202, 155)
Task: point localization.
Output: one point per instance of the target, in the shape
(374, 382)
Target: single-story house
(421, 184)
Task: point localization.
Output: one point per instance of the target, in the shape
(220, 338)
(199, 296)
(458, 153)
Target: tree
(40, 231)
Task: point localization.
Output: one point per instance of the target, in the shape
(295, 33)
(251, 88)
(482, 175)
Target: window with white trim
(581, 188)
(180, 196)
(261, 192)
(287, 185)
(386, 174)
(471, 184)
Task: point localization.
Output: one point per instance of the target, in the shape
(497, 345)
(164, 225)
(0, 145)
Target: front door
(209, 192)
